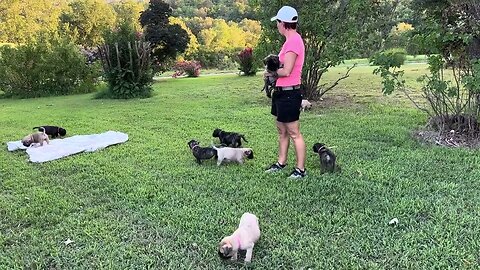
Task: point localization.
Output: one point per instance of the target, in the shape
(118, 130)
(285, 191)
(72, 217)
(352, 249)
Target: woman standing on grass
(287, 98)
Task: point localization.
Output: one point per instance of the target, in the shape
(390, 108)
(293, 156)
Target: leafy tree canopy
(168, 40)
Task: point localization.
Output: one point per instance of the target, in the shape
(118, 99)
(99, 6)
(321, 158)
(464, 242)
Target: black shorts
(286, 105)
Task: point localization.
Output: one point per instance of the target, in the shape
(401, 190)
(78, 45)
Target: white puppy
(306, 105)
(233, 154)
(244, 238)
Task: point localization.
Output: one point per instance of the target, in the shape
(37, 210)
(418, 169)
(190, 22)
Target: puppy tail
(41, 129)
(213, 146)
(243, 137)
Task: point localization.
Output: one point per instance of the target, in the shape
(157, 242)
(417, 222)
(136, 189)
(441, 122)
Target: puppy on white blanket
(59, 148)
(233, 154)
(244, 238)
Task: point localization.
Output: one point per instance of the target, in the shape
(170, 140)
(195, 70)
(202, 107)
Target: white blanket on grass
(59, 148)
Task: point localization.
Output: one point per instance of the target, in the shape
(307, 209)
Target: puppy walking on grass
(230, 139)
(233, 154)
(201, 153)
(328, 160)
(244, 238)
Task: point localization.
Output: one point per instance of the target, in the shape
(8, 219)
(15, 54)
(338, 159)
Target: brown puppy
(37, 137)
(244, 238)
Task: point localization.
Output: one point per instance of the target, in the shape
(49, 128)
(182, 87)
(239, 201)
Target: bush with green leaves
(452, 89)
(127, 64)
(215, 59)
(50, 65)
(452, 105)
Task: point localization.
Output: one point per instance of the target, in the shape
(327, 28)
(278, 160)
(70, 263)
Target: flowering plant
(245, 59)
(191, 68)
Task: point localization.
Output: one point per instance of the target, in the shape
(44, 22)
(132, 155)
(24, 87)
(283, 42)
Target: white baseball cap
(286, 14)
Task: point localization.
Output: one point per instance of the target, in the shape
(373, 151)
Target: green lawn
(147, 204)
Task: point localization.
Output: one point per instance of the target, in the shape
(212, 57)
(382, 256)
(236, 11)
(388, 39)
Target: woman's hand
(266, 74)
(269, 74)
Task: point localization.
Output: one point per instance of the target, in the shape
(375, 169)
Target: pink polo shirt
(293, 44)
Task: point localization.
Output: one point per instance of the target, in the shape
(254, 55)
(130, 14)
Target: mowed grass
(147, 204)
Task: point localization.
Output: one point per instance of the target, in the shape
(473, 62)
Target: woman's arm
(288, 64)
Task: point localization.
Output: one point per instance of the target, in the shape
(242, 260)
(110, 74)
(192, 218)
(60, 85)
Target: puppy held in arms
(201, 152)
(230, 139)
(233, 154)
(37, 137)
(328, 160)
(272, 64)
(244, 238)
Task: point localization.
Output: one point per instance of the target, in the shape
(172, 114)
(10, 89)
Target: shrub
(191, 68)
(216, 59)
(450, 105)
(394, 57)
(51, 65)
(246, 61)
(127, 64)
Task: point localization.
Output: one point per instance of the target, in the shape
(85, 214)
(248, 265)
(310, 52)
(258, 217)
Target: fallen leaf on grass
(68, 242)
(393, 222)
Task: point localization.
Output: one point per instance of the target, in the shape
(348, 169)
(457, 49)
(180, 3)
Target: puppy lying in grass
(230, 139)
(53, 131)
(201, 152)
(233, 154)
(328, 160)
(37, 137)
(244, 238)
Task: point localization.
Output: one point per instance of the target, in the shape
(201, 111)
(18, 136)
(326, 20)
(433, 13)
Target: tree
(332, 31)
(128, 11)
(88, 20)
(167, 39)
(21, 21)
(193, 45)
(449, 27)
(449, 30)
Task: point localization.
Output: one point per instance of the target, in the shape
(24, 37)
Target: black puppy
(53, 131)
(327, 158)
(201, 152)
(272, 64)
(230, 139)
